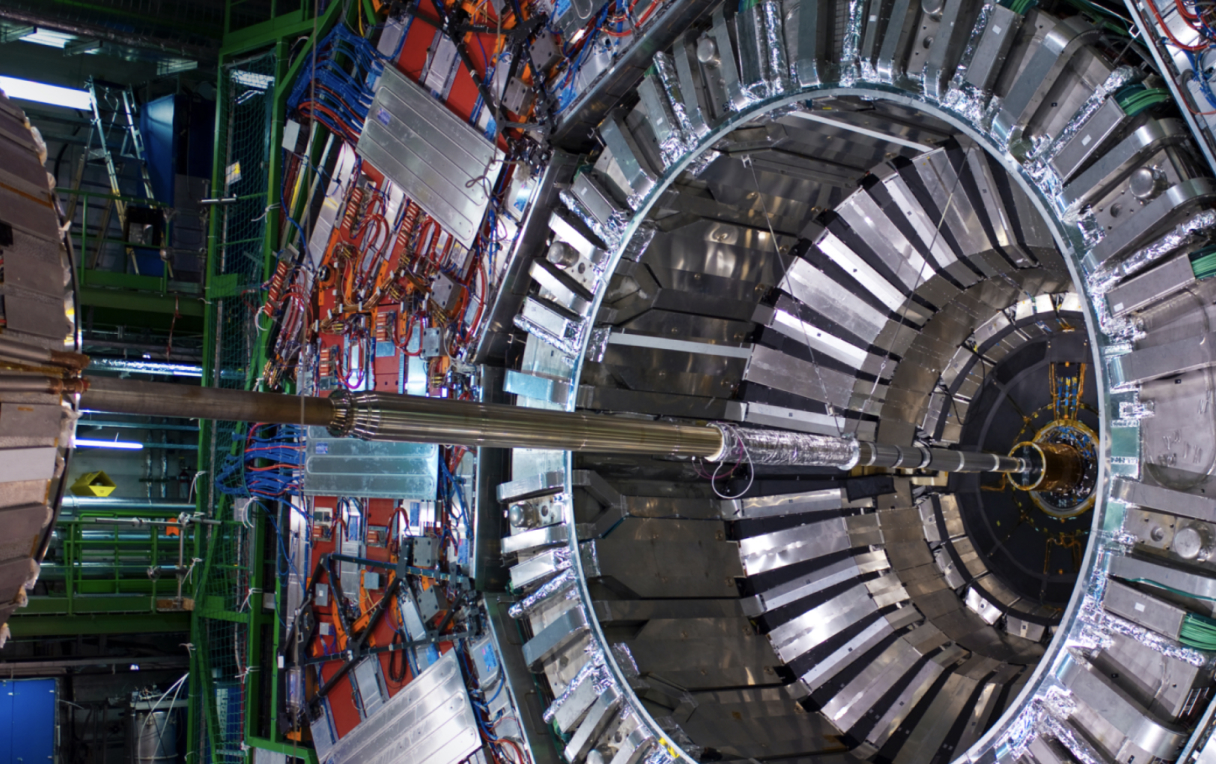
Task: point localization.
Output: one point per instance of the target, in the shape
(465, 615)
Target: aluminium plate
(441, 163)
(429, 722)
(369, 469)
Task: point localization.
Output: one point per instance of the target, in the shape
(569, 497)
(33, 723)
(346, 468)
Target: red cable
(1152, 6)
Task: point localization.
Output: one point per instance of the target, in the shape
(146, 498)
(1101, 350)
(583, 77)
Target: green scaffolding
(231, 629)
(225, 594)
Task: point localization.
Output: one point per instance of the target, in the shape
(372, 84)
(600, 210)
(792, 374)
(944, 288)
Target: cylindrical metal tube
(375, 416)
(115, 502)
(126, 396)
(36, 356)
(937, 459)
(1054, 467)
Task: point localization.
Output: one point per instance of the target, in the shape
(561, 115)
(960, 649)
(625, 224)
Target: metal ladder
(121, 106)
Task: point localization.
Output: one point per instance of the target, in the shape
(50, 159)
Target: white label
(874, 19)
(1139, 607)
(1086, 139)
(996, 28)
(1118, 308)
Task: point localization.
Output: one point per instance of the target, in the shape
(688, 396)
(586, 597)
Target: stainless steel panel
(998, 36)
(948, 43)
(1157, 214)
(773, 368)
(1081, 147)
(1152, 287)
(1159, 682)
(990, 204)
(815, 290)
(1034, 82)
(633, 747)
(782, 548)
(871, 224)
(1048, 751)
(443, 164)
(1122, 159)
(693, 94)
(823, 342)
(556, 290)
(942, 181)
(852, 263)
(783, 504)
(943, 712)
(1155, 574)
(820, 579)
(627, 155)
(538, 568)
(588, 189)
(568, 710)
(750, 28)
(1164, 360)
(857, 646)
(679, 346)
(812, 52)
(899, 35)
(927, 230)
(556, 635)
(542, 483)
(1177, 503)
(593, 725)
(550, 535)
(368, 684)
(661, 118)
(1122, 713)
(803, 633)
(536, 387)
(572, 233)
(802, 421)
(430, 721)
(912, 694)
(544, 321)
(859, 696)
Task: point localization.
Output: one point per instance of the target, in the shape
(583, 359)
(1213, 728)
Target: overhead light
(122, 444)
(48, 37)
(40, 92)
(79, 47)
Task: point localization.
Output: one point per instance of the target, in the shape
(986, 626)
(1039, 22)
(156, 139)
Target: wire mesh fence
(224, 594)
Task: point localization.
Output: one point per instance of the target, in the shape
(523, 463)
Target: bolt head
(1189, 542)
(1145, 183)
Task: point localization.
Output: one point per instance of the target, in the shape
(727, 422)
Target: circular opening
(857, 268)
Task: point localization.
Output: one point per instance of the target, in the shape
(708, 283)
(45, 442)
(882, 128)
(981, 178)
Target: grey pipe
(97, 502)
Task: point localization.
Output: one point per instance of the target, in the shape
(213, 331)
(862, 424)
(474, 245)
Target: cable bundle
(247, 474)
(341, 99)
(1136, 98)
(1198, 632)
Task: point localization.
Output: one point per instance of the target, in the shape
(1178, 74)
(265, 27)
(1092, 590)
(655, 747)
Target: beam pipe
(376, 416)
(126, 396)
(415, 419)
